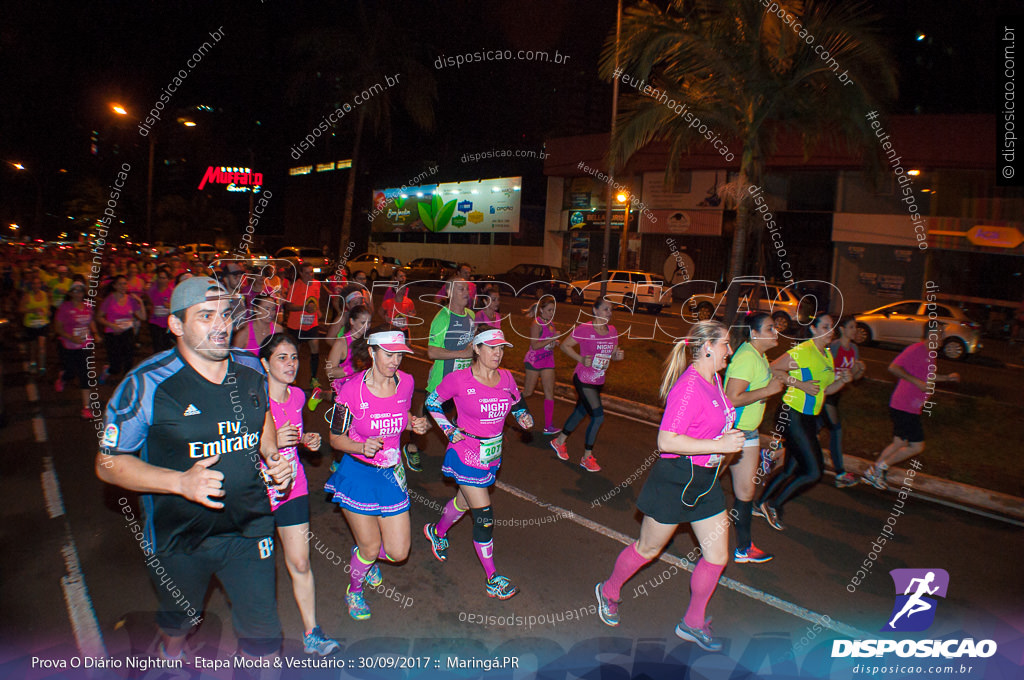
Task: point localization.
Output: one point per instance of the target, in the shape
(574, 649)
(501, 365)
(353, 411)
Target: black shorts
(663, 500)
(292, 513)
(906, 426)
(34, 333)
(305, 336)
(244, 566)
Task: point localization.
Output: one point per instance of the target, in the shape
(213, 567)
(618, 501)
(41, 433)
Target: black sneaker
(771, 515)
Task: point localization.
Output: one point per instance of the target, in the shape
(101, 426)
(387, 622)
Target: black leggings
(120, 351)
(160, 337)
(588, 403)
(804, 460)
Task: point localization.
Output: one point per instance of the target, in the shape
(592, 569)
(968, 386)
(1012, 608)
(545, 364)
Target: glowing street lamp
(118, 109)
(623, 197)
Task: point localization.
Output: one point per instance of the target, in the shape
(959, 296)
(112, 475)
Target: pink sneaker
(560, 450)
(86, 414)
(589, 463)
(58, 386)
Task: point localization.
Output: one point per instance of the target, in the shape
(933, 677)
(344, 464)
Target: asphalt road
(74, 581)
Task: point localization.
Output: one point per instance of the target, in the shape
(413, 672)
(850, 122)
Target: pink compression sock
(627, 563)
(702, 586)
(549, 414)
(359, 568)
(383, 554)
(451, 514)
(485, 551)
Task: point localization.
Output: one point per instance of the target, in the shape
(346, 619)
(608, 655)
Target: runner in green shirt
(748, 383)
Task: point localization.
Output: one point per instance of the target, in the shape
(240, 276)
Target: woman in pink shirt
(252, 333)
(489, 316)
(280, 359)
(539, 360)
(484, 395)
(370, 414)
(75, 329)
(694, 438)
(118, 316)
(915, 368)
(598, 344)
(159, 295)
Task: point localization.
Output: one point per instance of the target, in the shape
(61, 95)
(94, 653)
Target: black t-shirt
(170, 416)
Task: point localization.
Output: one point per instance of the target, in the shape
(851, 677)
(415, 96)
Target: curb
(1001, 504)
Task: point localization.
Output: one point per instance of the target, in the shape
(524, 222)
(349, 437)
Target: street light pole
(624, 237)
(149, 189)
(611, 169)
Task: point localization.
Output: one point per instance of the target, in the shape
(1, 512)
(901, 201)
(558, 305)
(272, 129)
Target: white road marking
(39, 428)
(83, 617)
(51, 490)
(84, 624)
(753, 593)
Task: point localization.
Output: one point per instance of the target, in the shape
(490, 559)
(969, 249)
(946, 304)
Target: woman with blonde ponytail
(695, 435)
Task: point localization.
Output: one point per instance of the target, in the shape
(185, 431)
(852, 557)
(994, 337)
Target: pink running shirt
(697, 409)
(374, 416)
(482, 410)
(600, 347)
(914, 360)
(289, 412)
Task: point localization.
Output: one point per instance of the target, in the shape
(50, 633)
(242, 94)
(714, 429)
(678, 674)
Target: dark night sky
(62, 63)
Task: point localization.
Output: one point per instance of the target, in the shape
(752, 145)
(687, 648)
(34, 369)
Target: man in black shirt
(187, 429)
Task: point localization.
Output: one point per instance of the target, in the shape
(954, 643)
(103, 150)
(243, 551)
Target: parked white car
(374, 266)
(903, 323)
(631, 289)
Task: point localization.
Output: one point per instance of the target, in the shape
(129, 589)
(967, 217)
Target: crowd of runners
(226, 343)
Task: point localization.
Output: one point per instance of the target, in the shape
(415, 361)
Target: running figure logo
(914, 610)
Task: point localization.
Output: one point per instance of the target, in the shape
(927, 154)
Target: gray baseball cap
(195, 290)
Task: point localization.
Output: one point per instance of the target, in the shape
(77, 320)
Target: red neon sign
(231, 175)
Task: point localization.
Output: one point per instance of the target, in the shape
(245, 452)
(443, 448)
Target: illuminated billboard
(485, 205)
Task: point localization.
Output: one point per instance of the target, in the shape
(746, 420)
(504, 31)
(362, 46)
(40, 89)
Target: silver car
(903, 323)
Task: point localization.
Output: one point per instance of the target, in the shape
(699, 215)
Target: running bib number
(81, 333)
(398, 322)
(600, 362)
(399, 471)
(462, 363)
(160, 310)
(490, 449)
(308, 320)
(124, 324)
(35, 320)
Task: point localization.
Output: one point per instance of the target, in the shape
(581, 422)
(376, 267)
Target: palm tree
(750, 77)
(341, 63)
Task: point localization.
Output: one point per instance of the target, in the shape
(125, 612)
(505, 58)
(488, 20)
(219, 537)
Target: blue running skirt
(367, 489)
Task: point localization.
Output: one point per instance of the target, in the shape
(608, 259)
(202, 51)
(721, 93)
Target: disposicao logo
(914, 610)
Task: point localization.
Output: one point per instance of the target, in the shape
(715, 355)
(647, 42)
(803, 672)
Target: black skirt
(679, 492)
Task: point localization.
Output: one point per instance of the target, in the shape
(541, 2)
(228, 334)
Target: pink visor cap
(491, 338)
(389, 341)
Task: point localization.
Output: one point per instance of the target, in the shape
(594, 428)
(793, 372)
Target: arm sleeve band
(433, 406)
